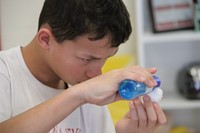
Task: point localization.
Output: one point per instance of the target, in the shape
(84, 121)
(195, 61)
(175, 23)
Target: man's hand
(142, 117)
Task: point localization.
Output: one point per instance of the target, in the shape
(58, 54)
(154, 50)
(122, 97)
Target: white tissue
(156, 95)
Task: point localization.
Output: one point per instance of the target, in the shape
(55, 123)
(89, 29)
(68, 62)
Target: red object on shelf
(171, 15)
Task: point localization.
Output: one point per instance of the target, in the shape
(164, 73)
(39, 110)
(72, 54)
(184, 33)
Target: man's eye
(86, 60)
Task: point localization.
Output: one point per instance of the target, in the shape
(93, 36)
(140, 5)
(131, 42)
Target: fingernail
(156, 105)
(146, 98)
(155, 83)
(136, 99)
(131, 102)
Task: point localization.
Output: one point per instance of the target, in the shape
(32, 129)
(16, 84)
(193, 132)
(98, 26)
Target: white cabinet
(169, 52)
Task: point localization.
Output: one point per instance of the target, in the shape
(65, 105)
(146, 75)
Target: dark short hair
(71, 18)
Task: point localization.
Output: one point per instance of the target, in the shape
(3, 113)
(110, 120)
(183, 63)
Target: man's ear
(43, 37)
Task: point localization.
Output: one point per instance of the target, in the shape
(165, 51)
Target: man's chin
(78, 82)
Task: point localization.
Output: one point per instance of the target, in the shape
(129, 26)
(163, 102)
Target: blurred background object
(197, 15)
(188, 81)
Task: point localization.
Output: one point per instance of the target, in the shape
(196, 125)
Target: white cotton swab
(156, 95)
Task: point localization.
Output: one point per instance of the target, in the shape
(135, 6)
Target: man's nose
(94, 72)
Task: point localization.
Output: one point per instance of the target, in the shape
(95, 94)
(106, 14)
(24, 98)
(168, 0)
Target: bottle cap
(157, 80)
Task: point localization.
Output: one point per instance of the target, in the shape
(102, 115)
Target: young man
(54, 84)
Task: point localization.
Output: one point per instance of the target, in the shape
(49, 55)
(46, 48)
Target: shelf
(173, 36)
(172, 51)
(173, 100)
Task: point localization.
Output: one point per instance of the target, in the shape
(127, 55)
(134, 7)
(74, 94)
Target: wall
(19, 21)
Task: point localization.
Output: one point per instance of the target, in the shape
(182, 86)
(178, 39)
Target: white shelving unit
(169, 52)
(175, 36)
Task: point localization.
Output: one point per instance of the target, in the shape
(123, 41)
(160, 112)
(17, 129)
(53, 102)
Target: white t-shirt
(20, 90)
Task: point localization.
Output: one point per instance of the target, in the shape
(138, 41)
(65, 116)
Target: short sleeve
(5, 93)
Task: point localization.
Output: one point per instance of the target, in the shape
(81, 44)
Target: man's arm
(45, 116)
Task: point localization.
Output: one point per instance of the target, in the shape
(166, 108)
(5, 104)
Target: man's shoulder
(9, 52)
(7, 58)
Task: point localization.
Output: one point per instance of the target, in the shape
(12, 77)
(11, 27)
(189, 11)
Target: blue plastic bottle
(129, 89)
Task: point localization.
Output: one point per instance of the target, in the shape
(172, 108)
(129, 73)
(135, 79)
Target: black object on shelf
(188, 81)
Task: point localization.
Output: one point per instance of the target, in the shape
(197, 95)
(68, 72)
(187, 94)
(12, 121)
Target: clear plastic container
(129, 89)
